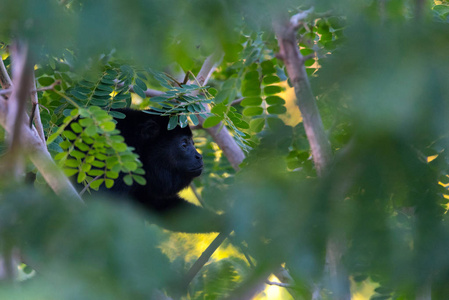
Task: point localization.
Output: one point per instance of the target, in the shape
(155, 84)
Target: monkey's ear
(149, 129)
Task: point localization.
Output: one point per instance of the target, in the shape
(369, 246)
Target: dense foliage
(379, 72)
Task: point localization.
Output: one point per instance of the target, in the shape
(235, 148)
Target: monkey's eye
(184, 143)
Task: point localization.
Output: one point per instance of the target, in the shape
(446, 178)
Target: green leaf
(130, 165)
(275, 100)
(108, 126)
(251, 101)
(109, 183)
(272, 89)
(61, 155)
(95, 172)
(112, 174)
(70, 172)
(158, 99)
(99, 102)
(173, 122)
(213, 91)
(128, 180)
(106, 88)
(252, 76)
(276, 109)
(242, 124)
(52, 138)
(117, 114)
(219, 110)
(119, 147)
(139, 179)
(91, 130)
(270, 79)
(98, 164)
(267, 67)
(257, 125)
(442, 10)
(45, 81)
(86, 167)
(212, 121)
(81, 177)
(72, 163)
(78, 95)
(69, 134)
(221, 96)
(139, 92)
(183, 121)
(96, 183)
(77, 154)
(101, 93)
(86, 122)
(194, 119)
(81, 146)
(141, 84)
(76, 127)
(252, 111)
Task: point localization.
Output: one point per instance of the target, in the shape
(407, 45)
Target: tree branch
(237, 101)
(42, 159)
(220, 133)
(224, 141)
(35, 113)
(293, 59)
(5, 80)
(319, 144)
(21, 70)
(204, 258)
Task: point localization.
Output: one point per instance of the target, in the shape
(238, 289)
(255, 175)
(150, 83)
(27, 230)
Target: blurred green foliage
(380, 76)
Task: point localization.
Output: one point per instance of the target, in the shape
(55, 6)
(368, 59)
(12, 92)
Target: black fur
(171, 162)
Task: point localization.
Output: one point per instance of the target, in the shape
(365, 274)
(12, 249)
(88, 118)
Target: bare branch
(237, 101)
(281, 284)
(204, 258)
(305, 99)
(43, 161)
(5, 80)
(230, 149)
(310, 56)
(220, 133)
(319, 144)
(21, 70)
(296, 20)
(35, 113)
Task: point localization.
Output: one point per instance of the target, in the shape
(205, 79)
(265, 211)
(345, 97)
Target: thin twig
(237, 101)
(35, 113)
(5, 80)
(88, 185)
(45, 88)
(204, 258)
(284, 285)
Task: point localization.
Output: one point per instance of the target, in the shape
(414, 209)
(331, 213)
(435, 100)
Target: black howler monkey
(171, 162)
